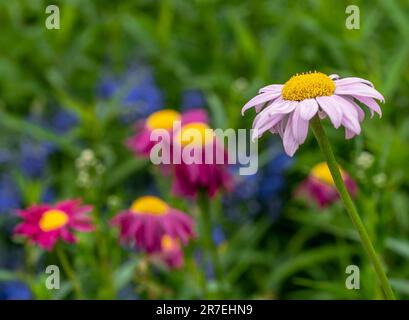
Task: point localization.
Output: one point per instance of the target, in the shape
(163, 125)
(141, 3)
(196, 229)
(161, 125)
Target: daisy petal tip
(290, 153)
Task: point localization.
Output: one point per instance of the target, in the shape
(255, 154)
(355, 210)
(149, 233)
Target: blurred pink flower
(148, 220)
(44, 224)
(287, 109)
(171, 254)
(201, 171)
(141, 143)
(320, 188)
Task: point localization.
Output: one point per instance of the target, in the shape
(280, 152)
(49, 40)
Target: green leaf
(125, 170)
(7, 275)
(125, 273)
(217, 110)
(16, 124)
(400, 285)
(398, 246)
(306, 259)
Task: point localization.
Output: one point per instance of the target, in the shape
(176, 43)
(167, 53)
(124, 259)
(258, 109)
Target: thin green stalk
(206, 236)
(107, 289)
(69, 271)
(349, 205)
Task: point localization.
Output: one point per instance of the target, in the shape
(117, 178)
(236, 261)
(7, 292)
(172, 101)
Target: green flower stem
(206, 236)
(107, 288)
(69, 271)
(349, 205)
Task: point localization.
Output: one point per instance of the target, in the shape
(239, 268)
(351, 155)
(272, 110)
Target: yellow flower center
(53, 219)
(308, 85)
(321, 172)
(149, 205)
(163, 119)
(198, 133)
(168, 243)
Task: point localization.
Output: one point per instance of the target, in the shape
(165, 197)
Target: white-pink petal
(289, 142)
(273, 88)
(308, 109)
(349, 134)
(359, 89)
(331, 108)
(371, 104)
(260, 100)
(286, 106)
(349, 114)
(280, 127)
(361, 113)
(266, 124)
(352, 80)
(300, 126)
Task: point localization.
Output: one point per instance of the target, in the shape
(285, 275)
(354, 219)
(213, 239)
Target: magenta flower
(141, 144)
(320, 188)
(171, 254)
(287, 109)
(148, 220)
(201, 172)
(44, 224)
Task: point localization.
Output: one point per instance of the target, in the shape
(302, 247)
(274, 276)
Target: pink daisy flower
(171, 254)
(320, 188)
(287, 109)
(202, 171)
(148, 220)
(44, 224)
(141, 144)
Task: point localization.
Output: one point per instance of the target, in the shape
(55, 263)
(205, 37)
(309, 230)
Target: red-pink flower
(200, 170)
(141, 143)
(148, 220)
(319, 186)
(171, 254)
(44, 224)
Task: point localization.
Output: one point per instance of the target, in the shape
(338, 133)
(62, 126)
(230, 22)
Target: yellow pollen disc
(308, 85)
(168, 243)
(149, 205)
(198, 133)
(321, 172)
(163, 119)
(52, 220)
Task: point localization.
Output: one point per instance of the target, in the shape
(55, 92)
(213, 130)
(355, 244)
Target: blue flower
(218, 236)
(5, 156)
(140, 94)
(9, 194)
(14, 290)
(260, 192)
(48, 195)
(33, 158)
(272, 180)
(63, 121)
(204, 263)
(107, 88)
(192, 99)
(128, 293)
